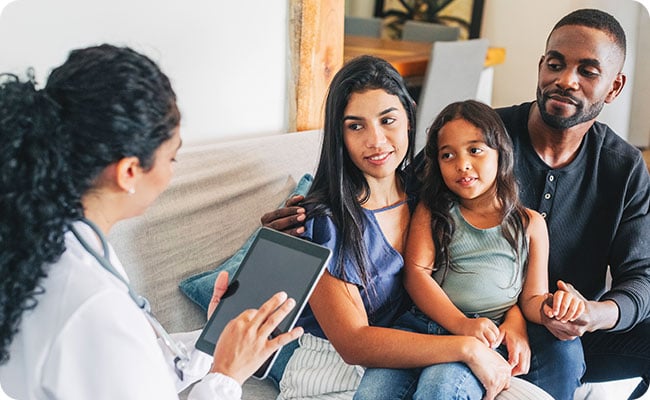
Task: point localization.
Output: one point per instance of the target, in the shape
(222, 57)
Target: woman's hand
(492, 370)
(244, 344)
(220, 287)
(288, 219)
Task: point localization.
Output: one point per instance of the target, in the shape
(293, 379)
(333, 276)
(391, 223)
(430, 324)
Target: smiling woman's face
(375, 132)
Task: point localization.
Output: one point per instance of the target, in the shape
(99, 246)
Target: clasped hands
(566, 313)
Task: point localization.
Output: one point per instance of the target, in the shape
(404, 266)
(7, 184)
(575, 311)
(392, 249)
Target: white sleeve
(107, 350)
(216, 387)
(212, 386)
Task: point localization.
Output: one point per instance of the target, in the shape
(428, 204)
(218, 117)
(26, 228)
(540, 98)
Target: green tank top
(486, 279)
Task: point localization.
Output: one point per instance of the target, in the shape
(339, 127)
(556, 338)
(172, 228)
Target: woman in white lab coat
(95, 146)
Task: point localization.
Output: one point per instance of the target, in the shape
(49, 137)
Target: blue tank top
(486, 279)
(388, 298)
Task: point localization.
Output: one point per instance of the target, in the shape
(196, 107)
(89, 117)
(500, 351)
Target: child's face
(468, 165)
(375, 132)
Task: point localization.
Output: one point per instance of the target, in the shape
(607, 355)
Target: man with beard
(593, 189)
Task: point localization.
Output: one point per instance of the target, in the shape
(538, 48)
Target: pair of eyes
(588, 71)
(356, 126)
(447, 155)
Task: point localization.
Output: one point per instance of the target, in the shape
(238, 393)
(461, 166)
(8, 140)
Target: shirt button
(551, 178)
(547, 196)
(543, 215)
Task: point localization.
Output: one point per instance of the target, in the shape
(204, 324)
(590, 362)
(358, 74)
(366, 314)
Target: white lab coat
(87, 339)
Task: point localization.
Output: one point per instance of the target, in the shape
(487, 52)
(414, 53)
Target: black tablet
(275, 262)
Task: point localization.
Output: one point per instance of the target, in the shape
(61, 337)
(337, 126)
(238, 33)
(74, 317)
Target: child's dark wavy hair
(103, 104)
(438, 199)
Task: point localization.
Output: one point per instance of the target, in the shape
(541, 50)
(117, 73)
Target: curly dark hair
(103, 104)
(439, 199)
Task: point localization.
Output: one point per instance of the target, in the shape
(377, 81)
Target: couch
(213, 204)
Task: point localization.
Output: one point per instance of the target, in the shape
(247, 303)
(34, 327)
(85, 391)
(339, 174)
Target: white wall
(227, 59)
(521, 27)
(527, 25)
(640, 121)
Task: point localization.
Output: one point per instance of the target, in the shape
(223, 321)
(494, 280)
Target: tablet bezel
(287, 241)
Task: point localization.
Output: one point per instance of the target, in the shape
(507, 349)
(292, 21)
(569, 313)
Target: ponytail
(103, 104)
(36, 200)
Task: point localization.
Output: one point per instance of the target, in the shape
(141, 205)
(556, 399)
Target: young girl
(360, 205)
(473, 252)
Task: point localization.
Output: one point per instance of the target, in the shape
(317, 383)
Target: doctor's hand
(288, 219)
(244, 344)
(220, 287)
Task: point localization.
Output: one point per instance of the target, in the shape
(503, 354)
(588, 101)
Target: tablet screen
(275, 262)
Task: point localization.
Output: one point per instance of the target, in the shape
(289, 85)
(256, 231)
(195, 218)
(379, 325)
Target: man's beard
(581, 115)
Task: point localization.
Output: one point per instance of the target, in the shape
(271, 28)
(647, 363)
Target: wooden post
(316, 47)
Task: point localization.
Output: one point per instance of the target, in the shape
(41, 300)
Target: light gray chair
(453, 74)
(360, 26)
(429, 32)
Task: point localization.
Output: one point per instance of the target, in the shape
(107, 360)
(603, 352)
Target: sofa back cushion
(214, 202)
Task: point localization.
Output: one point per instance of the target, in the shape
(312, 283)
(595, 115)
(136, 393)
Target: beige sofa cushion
(214, 202)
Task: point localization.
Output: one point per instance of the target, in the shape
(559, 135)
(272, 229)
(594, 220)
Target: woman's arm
(535, 287)
(425, 291)
(339, 309)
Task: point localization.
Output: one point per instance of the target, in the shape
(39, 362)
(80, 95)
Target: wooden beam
(316, 46)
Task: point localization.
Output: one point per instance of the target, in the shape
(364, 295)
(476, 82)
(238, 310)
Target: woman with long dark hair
(95, 146)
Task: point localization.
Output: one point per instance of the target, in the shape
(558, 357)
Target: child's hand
(484, 330)
(563, 305)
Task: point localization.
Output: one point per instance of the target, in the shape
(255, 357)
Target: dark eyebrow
(352, 117)
(389, 109)
(555, 54)
(593, 62)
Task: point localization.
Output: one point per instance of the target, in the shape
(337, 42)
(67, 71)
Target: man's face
(578, 74)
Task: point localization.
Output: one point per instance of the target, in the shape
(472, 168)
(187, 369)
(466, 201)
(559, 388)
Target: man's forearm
(602, 315)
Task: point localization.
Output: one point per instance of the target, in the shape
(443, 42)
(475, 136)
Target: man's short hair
(596, 19)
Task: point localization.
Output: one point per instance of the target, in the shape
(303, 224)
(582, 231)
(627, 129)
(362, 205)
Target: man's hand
(596, 315)
(288, 219)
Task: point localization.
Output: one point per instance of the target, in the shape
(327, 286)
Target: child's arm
(425, 291)
(535, 288)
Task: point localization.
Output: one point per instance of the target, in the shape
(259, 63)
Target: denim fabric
(556, 365)
(448, 381)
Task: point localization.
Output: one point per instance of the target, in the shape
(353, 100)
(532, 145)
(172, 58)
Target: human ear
(127, 171)
(617, 87)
